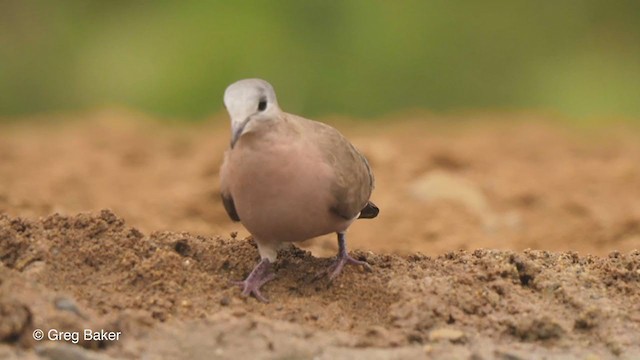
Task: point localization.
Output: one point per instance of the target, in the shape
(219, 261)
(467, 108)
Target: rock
(66, 304)
(507, 355)
(442, 185)
(452, 335)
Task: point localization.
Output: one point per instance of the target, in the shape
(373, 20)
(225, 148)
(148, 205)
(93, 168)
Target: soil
(499, 236)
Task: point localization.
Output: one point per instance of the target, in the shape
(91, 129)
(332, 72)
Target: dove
(288, 179)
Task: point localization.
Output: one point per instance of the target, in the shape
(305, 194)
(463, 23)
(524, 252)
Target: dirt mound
(169, 295)
(448, 188)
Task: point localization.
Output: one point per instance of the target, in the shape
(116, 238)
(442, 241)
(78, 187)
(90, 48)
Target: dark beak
(238, 132)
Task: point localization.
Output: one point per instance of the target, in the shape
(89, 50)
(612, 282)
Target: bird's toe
(338, 265)
(252, 285)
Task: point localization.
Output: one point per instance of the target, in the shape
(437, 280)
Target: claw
(336, 268)
(342, 259)
(259, 276)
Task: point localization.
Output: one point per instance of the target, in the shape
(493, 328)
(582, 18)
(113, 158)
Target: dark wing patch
(369, 212)
(230, 206)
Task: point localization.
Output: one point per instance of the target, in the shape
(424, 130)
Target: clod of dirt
(15, 319)
(527, 270)
(536, 329)
(587, 320)
(15, 249)
(182, 247)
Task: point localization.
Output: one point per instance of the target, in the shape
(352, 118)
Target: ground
(500, 236)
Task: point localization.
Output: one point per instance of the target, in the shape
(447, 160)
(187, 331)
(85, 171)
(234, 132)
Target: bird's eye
(262, 105)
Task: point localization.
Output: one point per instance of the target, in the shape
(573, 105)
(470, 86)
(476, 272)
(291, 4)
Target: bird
(288, 179)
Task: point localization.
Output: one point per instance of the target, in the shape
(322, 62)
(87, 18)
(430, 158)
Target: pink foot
(259, 276)
(342, 259)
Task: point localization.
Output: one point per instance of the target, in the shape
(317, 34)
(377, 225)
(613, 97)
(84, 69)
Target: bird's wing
(354, 180)
(227, 199)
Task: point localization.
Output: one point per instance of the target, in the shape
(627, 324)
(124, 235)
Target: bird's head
(247, 101)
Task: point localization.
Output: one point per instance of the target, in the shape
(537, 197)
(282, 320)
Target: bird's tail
(369, 212)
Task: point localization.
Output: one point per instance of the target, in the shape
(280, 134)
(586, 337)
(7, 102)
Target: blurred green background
(361, 58)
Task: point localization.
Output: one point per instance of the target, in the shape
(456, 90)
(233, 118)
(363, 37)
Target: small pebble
(452, 335)
(66, 304)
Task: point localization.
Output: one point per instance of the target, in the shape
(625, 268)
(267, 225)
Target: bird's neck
(267, 133)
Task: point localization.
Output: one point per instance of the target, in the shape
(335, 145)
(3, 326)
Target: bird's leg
(343, 258)
(260, 275)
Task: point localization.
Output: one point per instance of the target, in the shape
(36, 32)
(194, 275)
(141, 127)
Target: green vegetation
(362, 58)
